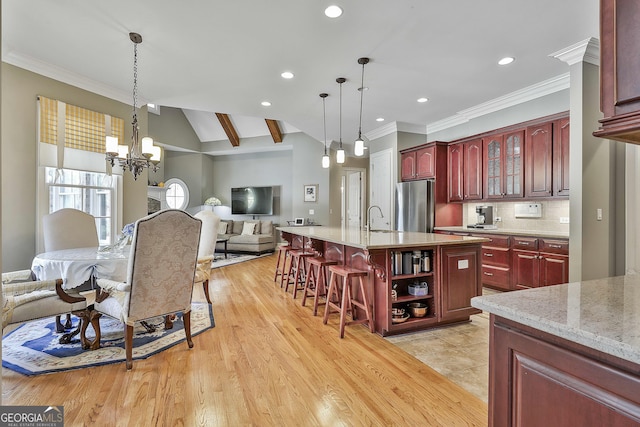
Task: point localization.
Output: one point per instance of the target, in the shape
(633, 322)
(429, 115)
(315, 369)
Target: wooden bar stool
(348, 302)
(316, 283)
(297, 269)
(283, 253)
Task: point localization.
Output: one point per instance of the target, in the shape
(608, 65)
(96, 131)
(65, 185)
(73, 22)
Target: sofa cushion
(250, 238)
(237, 227)
(266, 227)
(257, 227)
(222, 228)
(248, 228)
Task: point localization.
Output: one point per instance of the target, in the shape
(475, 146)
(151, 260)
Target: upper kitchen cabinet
(503, 161)
(456, 164)
(619, 64)
(472, 174)
(547, 159)
(418, 164)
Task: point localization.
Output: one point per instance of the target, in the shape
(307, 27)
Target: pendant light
(325, 158)
(359, 144)
(340, 152)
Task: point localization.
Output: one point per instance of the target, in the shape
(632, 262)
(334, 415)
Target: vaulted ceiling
(226, 57)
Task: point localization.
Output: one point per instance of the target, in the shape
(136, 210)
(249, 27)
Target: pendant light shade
(340, 153)
(359, 143)
(325, 158)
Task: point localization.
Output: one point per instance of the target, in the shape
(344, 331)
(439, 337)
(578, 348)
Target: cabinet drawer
(554, 246)
(495, 256)
(495, 241)
(526, 243)
(498, 276)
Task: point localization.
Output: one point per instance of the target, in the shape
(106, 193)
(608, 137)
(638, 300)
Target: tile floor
(459, 352)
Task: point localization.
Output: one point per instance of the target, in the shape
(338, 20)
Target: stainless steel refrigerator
(415, 206)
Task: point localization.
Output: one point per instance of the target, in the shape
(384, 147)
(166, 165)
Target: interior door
(354, 199)
(381, 189)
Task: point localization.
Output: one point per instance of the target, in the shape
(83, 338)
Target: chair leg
(59, 325)
(128, 345)
(327, 307)
(321, 279)
(186, 318)
(205, 286)
(346, 303)
(307, 283)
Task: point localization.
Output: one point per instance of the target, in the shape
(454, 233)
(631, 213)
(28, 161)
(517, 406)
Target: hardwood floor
(268, 362)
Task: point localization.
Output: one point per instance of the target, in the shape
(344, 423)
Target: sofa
(247, 236)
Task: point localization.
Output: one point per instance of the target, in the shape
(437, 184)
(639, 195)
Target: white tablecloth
(76, 266)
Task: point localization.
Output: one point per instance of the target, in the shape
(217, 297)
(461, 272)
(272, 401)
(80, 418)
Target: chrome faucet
(369, 215)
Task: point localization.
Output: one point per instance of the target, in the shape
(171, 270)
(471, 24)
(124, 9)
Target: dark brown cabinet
(460, 281)
(496, 262)
(503, 165)
(418, 164)
(619, 64)
(456, 165)
(538, 379)
(547, 159)
(539, 262)
(472, 172)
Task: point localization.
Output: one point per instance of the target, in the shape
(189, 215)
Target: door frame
(344, 197)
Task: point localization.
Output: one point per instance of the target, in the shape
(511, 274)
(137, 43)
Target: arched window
(177, 194)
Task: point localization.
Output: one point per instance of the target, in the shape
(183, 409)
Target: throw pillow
(248, 227)
(237, 227)
(256, 230)
(267, 227)
(222, 228)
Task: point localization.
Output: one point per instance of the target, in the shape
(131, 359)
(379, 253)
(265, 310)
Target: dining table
(80, 268)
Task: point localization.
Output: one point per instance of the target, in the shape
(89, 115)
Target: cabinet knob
(488, 274)
(487, 254)
(555, 246)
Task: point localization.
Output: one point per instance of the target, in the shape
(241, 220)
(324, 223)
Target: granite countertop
(603, 314)
(508, 231)
(378, 239)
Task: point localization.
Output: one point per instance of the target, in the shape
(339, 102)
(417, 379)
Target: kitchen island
(447, 277)
(566, 354)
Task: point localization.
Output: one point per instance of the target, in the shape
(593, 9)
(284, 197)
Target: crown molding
(69, 77)
(529, 93)
(384, 130)
(587, 50)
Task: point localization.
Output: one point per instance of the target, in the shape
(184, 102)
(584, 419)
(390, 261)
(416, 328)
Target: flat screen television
(252, 200)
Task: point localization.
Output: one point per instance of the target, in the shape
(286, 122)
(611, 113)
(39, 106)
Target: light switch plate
(564, 220)
(311, 211)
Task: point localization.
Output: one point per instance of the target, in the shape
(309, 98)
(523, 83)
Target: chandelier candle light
(359, 144)
(140, 156)
(340, 152)
(325, 157)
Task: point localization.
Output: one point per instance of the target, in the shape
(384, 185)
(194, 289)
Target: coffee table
(225, 240)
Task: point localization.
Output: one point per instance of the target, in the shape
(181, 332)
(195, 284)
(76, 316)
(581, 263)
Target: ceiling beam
(274, 129)
(226, 124)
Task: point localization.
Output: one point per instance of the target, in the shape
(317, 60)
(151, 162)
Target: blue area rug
(33, 348)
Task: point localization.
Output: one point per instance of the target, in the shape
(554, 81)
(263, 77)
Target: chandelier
(142, 154)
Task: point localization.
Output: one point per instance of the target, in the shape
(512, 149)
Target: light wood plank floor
(268, 362)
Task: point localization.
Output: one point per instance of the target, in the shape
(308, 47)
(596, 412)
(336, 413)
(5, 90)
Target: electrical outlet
(564, 220)
(311, 211)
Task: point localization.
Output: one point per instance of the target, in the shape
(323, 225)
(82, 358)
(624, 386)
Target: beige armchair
(162, 265)
(26, 298)
(206, 249)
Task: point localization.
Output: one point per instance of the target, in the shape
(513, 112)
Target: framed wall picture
(311, 193)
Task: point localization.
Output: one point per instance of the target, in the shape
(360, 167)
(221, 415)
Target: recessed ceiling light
(506, 60)
(380, 119)
(265, 104)
(333, 11)
(287, 75)
(422, 99)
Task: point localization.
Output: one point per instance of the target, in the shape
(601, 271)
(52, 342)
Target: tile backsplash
(552, 211)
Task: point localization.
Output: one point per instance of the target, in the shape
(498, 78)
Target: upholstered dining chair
(206, 249)
(25, 298)
(162, 266)
(69, 229)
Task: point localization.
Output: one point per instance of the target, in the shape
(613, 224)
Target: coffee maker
(484, 218)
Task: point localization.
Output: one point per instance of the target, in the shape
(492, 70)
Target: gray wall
(18, 137)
